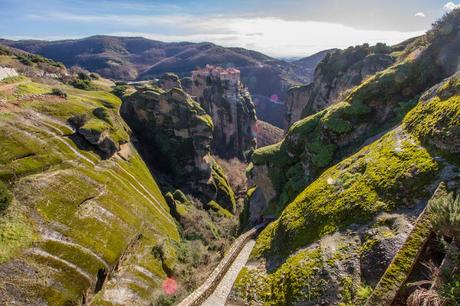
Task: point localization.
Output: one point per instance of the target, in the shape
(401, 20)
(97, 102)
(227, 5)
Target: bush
(82, 84)
(59, 92)
(119, 90)
(78, 121)
(445, 214)
(5, 197)
(83, 76)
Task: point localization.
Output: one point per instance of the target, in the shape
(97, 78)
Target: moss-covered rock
(229, 103)
(175, 134)
(380, 102)
(381, 177)
(396, 173)
(336, 73)
(74, 217)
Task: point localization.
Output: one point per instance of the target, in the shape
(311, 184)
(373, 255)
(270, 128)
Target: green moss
(436, 122)
(32, 89)
(99, 209)
(322, 153)
(402, 264)
(347, 291)
(5, 197)
(16, 233)
(225, 194)
(295, 281)
(384, 174)
(73, 254)
(219, 209)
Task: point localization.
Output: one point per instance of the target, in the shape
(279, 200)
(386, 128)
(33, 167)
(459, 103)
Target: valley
(141, 172)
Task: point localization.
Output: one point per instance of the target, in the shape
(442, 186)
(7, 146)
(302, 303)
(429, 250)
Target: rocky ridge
(355, 178)
(335, 74)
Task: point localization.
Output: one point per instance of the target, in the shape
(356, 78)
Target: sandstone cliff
(336, 73)
(358, 179)
(228, 102)
(335, 240)
(77, 221)
(175, 135)
(377, 104)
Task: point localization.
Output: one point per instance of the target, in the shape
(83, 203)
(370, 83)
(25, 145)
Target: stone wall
(204, 291)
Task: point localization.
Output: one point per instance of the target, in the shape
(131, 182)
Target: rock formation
(358, 178)
(335, 74)
(227, 101)
(176, 134)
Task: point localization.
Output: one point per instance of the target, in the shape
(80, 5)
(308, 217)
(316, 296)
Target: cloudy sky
(278, 28)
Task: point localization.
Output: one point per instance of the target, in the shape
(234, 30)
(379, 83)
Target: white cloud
(420, 14)
(277, 37)
(272, 36)
(450, 6)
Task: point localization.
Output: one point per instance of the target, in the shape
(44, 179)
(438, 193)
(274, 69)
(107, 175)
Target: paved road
(220, 294)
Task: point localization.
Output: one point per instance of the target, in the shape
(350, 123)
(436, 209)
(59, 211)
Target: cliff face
(336, 73)
(380, 102)
(175, 135)
(354, 177)
(228, 102)
(77, 223)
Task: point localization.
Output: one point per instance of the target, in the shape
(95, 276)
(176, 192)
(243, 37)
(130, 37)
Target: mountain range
(138, 58)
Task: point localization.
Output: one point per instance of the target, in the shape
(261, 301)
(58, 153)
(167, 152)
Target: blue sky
(278, 28)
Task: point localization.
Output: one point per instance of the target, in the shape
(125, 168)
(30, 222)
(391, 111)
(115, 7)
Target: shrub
(5, 197)
(83, 76)
(119, 90)
(59, 92)
(445, 214)
(78, 121)
(82, 84)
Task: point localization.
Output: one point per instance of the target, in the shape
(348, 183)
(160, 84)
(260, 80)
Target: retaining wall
(207, 288)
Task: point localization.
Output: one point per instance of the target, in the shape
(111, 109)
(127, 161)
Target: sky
(282, 28)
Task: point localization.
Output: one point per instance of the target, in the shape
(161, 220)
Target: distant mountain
(138, 58)
(306, 66)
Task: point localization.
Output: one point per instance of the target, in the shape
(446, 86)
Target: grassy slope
(72, 213)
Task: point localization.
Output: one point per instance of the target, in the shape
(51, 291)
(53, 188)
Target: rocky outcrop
(268, 134)
(79, 228)
(176, 128)
(228, 102)
(371, 198)
(175, 135)
(376, 105)
(168, 81)
(6, 72)
(335, 74)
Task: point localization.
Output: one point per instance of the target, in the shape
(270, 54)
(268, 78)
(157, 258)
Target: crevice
(100, 280)
(86, 200)
(24, 156)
